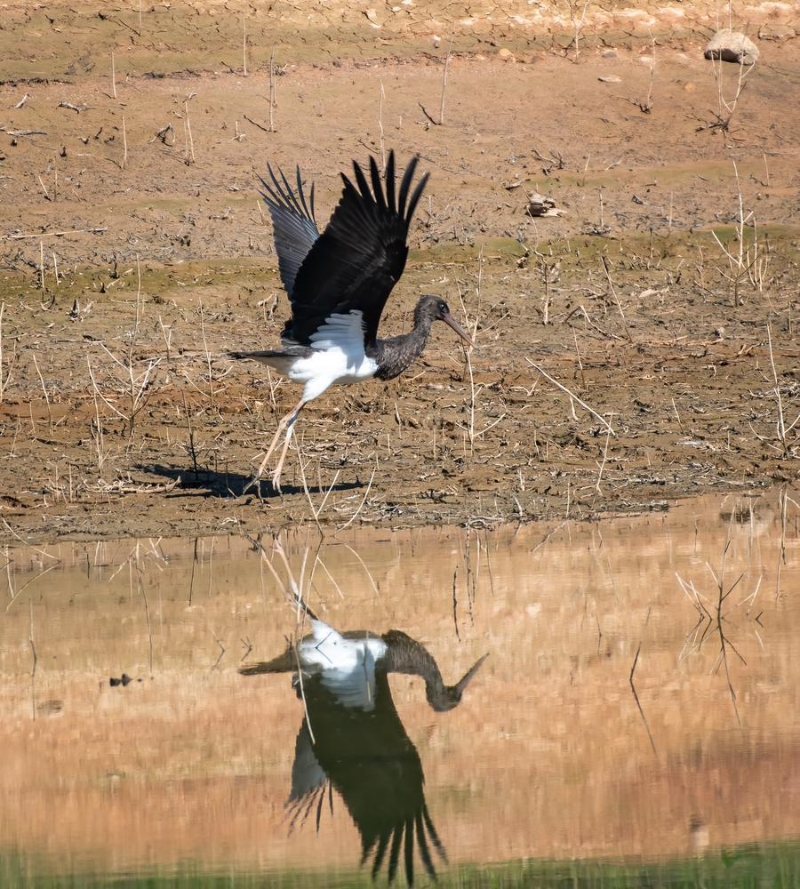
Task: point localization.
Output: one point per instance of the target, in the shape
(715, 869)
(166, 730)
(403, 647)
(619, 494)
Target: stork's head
(452, 694)
(434, 308)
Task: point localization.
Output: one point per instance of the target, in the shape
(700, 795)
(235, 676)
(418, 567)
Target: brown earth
(134, 252)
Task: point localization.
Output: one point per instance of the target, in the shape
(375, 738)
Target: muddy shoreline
(134, 254)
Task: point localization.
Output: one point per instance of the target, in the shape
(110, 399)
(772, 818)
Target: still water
(636, 717)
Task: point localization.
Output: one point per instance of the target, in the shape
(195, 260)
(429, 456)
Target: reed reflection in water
(549, 757)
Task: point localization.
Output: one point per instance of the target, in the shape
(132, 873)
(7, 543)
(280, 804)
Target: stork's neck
(406, 655)
(396, 353)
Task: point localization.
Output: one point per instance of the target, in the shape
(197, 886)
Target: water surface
(639, 703)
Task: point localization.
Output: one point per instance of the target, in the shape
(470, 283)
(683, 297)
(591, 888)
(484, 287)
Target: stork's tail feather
(280, 359)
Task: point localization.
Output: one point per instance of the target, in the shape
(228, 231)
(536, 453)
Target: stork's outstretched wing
(354, 264)
(293, 223)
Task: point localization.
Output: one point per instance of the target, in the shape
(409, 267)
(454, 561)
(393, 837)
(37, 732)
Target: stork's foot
(255, 482)
(258, 480)
(285, 429)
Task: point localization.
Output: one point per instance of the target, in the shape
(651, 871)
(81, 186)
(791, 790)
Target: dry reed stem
(711, 621)
(364, 566)
(354, 516)
(572, 395)
(318, 561)
(143, 593)
(44, 389)
(782, 429)
(187, 128)
(472, 327)
(44, 188)
(724, 642)
(647, 105)
(296, 600)
(444, 76)
(784, 502)
(613, 290)
(244, 45)
(34, 662)
(455, 604)
(5, 375)
(577, 23)
(315, 512)
(15, 593)
(727, 109)
(166, 333)
(633, 688)
(380, 126)
(132, 385)
(97, 432)
(603, 463)
(207, 353)
(579, 357)
(97, 230)
(272, 100)
(738, 261)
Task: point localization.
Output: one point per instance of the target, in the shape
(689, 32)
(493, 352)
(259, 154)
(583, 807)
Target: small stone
(776, 31)
(732, 46)
(610, 78)
(541, 205)
(506, 55)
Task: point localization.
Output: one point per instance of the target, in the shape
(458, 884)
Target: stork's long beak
(469, 675)
(450, 321)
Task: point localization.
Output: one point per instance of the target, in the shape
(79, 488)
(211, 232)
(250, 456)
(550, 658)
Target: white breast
(346, 666)
(338, 356)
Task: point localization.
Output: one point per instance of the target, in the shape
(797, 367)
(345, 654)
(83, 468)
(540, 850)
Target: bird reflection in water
(352, 739)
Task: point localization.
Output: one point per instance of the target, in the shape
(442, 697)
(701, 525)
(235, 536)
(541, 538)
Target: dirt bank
(134, 253)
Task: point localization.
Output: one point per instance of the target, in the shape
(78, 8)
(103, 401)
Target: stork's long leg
(276, 475)
(285, 425)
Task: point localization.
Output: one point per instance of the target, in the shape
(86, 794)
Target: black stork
(353, 740)
(338, 283)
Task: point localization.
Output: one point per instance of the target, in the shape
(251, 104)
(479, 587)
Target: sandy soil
(134, 253)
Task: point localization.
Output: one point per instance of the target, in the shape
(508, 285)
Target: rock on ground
(732, 46)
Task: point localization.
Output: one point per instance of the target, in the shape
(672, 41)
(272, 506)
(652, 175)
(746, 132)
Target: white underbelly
(338, 357)
(346, 666)
(331, 367)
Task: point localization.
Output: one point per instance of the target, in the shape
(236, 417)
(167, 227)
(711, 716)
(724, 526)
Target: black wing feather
(390, 191)
(416, 194)
(293, 223)
(357, 260)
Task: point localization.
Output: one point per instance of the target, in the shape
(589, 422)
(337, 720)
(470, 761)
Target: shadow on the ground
(213, 483)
